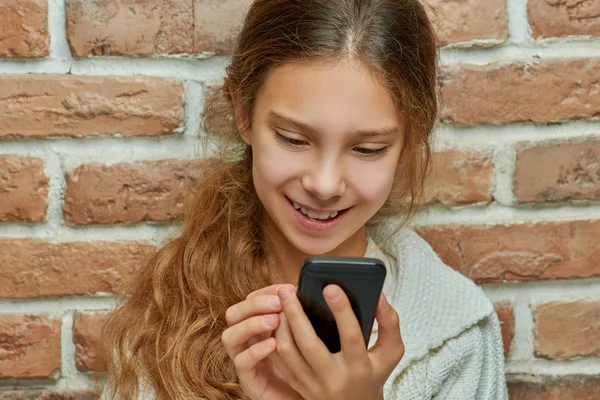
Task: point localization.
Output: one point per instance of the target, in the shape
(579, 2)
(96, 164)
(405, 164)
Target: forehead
(338, 96)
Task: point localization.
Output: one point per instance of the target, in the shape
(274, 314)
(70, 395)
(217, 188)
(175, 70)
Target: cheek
(374, 182)
(272, 166)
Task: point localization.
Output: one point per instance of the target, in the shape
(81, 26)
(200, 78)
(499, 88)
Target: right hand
(249, 341)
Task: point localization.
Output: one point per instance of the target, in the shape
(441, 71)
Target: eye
(370, 152)
(290, 141)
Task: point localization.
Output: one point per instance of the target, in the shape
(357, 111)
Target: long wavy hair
(166, 335)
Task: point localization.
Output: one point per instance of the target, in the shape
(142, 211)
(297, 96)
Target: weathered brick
(459, 21)
(87, 336)
(29, 346)
(79, 106)
(24, 29)
(48, 395)
(564, 18)
(460, 177)
(146, 190)
(127, 27)
(582, 387)
(557, 172)
(35, 268)
(565, 330)
(23, 189)
(506, 314)
(503, 93)
(522, 252)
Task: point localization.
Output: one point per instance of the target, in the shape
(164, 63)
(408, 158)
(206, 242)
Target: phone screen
(360, 278)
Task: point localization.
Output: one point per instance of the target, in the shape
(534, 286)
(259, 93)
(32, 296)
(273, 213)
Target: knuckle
(355, 336)
(230, 315)
(238, 362)
(226, 338)
(284, 348)
(394, 318)
(361, 372)
(256, 325)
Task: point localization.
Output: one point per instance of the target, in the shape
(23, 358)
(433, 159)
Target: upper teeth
(314, 215)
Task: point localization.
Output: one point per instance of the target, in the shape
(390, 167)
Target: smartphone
(360, 278)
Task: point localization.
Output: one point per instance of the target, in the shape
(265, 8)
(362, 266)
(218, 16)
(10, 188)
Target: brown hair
(167, 334)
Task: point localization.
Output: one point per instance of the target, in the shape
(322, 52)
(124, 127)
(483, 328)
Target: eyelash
(362, 151)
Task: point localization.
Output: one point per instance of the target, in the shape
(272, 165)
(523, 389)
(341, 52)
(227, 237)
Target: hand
(248, 341)
(354, 372)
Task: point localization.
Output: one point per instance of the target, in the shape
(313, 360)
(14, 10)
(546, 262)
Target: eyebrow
(281, 119)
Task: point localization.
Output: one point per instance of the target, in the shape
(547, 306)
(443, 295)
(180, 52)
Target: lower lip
(317, 225)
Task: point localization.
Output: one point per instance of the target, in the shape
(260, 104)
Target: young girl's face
(326, 140)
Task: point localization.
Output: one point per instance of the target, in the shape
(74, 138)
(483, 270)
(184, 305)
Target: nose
(325, 179)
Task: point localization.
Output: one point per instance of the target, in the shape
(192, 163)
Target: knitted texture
(449, 327)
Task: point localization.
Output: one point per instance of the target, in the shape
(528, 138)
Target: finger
(281, 368)
(310, 345)
(246, 361)
(257, 305)
(269, 290)
(352, 340)
(259, 338)
(235, 338)
(290, 354)
(389, 349)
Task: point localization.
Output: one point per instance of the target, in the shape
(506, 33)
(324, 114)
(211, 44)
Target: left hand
(353, 373)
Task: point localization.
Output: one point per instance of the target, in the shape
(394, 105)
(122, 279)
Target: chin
(315, 246)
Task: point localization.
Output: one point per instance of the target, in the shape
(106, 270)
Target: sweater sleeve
(467, 367)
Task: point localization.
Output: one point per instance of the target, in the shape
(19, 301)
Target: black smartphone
(360, 278)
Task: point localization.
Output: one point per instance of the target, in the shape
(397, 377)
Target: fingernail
(274, 302)
(284, 293)
(269, 320)
(332, 292)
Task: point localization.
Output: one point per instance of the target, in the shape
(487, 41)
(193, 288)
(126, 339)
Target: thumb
(388, 350)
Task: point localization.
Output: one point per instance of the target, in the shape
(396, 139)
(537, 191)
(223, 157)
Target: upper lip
(315, 210)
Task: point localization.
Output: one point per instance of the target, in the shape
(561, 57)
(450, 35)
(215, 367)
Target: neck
(287, 259)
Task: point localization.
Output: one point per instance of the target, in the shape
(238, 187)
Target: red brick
(79, 106)
(29, 346)
(465, 21)
(34, 268)
(564, 18)
(124, 27)
(556, 388)
(49, 395)
(460, 177)
(24, 29)
(87, 337)
(503, 93)
(506, 314)
(557, 172)
(565, 330)
(521, 252)
(23, 189)
(147, 190)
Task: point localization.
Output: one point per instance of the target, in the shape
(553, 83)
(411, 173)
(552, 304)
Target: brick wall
(99, 108)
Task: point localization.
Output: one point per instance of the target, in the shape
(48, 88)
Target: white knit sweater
(450, 330)
(451, 333)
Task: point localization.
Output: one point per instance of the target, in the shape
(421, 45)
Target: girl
(325, 120)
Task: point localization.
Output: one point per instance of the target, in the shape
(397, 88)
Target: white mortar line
(61, 305)
(67, 346)
(155, 234)
(194, 106)
(504, 158)
(588, 366)
(518, 23)
(57, 26)
(485, 136)
(496, 213)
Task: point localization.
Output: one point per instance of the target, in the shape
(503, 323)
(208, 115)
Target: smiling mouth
(321, 216)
